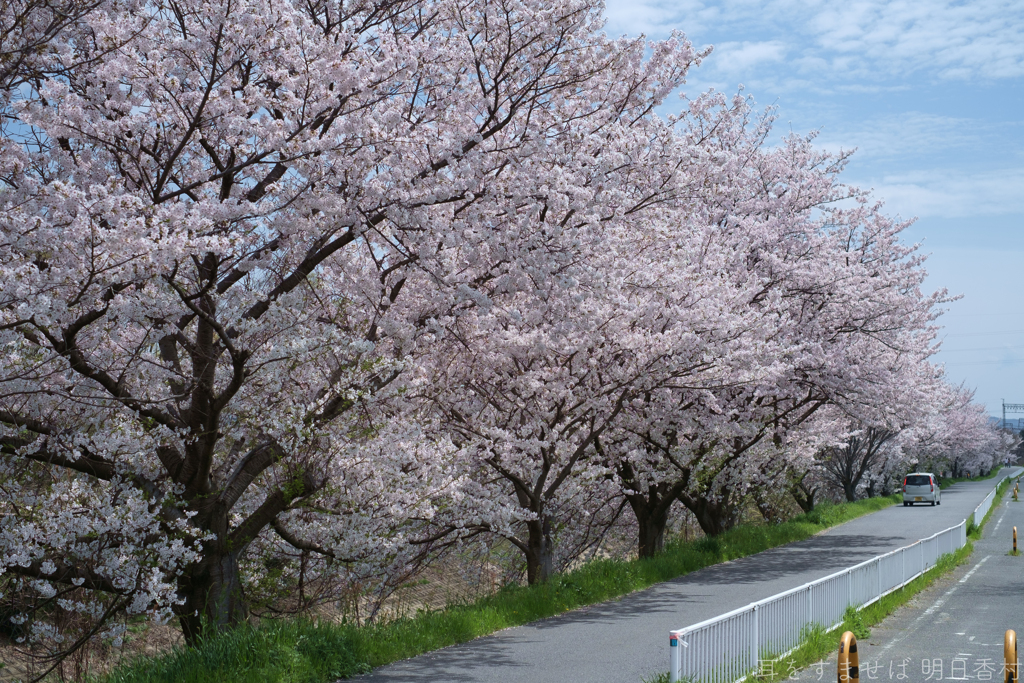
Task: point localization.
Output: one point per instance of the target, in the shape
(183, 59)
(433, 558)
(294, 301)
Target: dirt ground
(149, 640)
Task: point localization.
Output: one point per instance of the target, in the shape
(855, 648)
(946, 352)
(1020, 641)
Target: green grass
(301, 651)
(295, 651)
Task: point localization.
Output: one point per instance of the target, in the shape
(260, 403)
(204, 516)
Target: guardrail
(729, 647)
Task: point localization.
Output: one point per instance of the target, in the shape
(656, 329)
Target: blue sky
(931, 94)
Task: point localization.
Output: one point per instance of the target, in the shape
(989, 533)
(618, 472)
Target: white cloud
(655, 18)
(981, 39)
(854, 39)
(739, 58)
(912, 132)
(946, 193)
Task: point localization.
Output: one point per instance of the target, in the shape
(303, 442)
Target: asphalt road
(626, 640)
(953, 630)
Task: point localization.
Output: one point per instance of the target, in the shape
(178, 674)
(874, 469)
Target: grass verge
(304, 652)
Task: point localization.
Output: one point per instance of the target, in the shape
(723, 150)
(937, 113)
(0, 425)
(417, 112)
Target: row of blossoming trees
(318, 290)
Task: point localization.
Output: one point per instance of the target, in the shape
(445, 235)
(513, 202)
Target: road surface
(954, 629)
(626, 640)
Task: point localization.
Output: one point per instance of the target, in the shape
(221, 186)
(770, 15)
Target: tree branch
(273, 505)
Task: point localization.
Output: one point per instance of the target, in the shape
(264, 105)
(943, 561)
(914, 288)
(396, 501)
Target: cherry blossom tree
(29, 29)
(211, 213)
(676, 363)
(837, 318)
(864, 450)
(533, 384)
(944, 432)
(329, 288)
(954, 435)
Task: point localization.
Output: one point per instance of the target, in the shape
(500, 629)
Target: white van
(921, 487)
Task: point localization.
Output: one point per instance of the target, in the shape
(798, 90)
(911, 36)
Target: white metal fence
(986, 505)
(729, 647)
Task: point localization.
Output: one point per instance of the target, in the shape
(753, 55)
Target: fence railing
(986, 505)
(729, 647)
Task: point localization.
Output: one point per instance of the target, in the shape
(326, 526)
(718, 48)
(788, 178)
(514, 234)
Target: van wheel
(933, 503)
(906, 504)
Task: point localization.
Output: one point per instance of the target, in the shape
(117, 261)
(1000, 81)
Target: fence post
(754, 649)
(676, 658)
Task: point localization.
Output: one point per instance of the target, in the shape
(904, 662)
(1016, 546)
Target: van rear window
(918, 480)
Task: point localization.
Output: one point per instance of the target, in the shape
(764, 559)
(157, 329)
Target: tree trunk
(850, 490)
(804, 495)
(650, 509)
(714, 517)
(651, 539)
(212, 590)
(539, 552)
(652, 518)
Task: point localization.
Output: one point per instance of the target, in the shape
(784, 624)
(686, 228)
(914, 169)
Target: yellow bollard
(848, 667)
(1010, 657)
(1014, 540)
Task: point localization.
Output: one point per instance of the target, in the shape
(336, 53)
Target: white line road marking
(999, 522)
(936, 605)
(970, 573)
